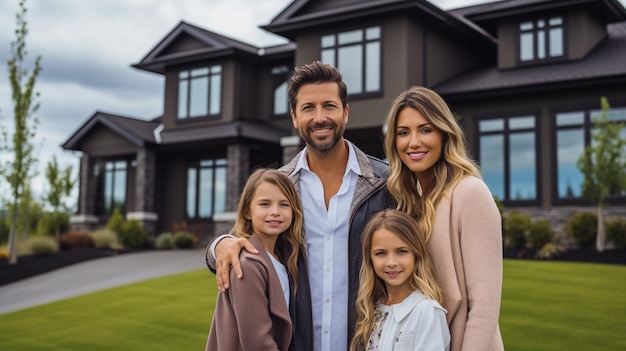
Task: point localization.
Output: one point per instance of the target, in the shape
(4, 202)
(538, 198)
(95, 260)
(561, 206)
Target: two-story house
(525, 78)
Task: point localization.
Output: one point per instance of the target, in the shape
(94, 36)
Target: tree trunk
(13, 238)
(600, 235)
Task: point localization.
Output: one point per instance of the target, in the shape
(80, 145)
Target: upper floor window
(110, 179)
(573, 135)
(199, 92)
(206, 188)
(541, 39)
(508, 157)
(357, 54)
(280, 81)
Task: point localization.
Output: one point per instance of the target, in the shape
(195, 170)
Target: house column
(238, 168)
(143, 210)
(291, 146)
(85, 219)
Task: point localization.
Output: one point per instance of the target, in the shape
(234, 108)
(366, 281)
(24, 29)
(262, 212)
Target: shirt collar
(353, 163)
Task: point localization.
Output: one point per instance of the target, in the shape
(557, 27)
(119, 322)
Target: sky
(88, 47)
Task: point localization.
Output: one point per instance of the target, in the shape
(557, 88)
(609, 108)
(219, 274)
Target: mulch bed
(28, 266)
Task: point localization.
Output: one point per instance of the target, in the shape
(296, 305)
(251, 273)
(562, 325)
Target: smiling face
(319, 115)
(270, 213)
(418, 143)
(393, 262)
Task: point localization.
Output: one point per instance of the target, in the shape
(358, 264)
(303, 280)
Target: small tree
(603, 164)
(18, 170)
(60, 184)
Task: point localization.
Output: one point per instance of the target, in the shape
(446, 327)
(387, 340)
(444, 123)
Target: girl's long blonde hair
(289, 241)
(454, 164)
(372, 289)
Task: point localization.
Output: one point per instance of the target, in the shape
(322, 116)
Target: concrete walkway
(97, 274)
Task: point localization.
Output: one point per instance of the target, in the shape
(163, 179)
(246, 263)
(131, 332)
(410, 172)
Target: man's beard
(326, 144)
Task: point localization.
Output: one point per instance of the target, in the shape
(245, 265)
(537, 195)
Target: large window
(357, 54)
(110, 179)
(199, 92)
(573, 135)
(206, 188)
(541, 39)
(508, 157)
(280, 81)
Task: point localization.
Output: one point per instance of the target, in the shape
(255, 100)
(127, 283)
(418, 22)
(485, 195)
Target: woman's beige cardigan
(466, 249)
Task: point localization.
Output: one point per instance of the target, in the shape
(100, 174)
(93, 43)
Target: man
(341, 187)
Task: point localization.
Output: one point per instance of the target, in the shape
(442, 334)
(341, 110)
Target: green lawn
(545, 306)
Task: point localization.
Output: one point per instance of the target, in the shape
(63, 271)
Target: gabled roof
(188, 43)
(602, 63)
(302, 14)
(135, 131)
(486, 15)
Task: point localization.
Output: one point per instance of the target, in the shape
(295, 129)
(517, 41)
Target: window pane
(570, 145)
(556, 42)
(350, 37)
(182, 99)
(523, 171)
(570, 118)
(372, 33)
(191, 192)
(372, 72)
(556, 21)
(216, 94)
(526, 47)
(522, 123)
(119, 188)
(280, 99)
(328, 57)
(541, 44)
(492, 163)
(205, 205)
(351, 66)
(490, 125)
(199, 91)
(328, 40)
(220, 190)
(526, 26)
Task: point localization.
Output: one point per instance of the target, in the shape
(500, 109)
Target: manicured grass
(169, 313)
(563, 306)
(546, 306)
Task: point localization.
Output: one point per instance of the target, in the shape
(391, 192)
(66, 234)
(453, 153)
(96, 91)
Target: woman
(435, 181)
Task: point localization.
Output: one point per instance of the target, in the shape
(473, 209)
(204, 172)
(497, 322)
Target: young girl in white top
(398, 304)
(254, 313)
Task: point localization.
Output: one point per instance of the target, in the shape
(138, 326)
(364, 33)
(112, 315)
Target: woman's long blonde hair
(372, 289)
(289, 241)
(454, 164)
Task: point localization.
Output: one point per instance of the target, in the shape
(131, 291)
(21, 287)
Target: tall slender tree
(20, 169)
(603, 164)
(60, 184)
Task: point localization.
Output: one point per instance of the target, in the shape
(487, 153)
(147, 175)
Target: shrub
(43, 245)
(105, 238)
(76, 239)
(183, 240)
(131, 235)
(49, 222)
(582, 227)
(165, 241)
(547, 251)
(616, 232)
(516, 227)
(116, 221)
(540, 234)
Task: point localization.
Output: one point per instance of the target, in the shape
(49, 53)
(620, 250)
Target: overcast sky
(87, 47)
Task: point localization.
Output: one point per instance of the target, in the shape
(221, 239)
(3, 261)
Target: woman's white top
(417, 323)
(282, 276)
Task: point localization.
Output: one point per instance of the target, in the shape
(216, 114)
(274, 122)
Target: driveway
(95, 275)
